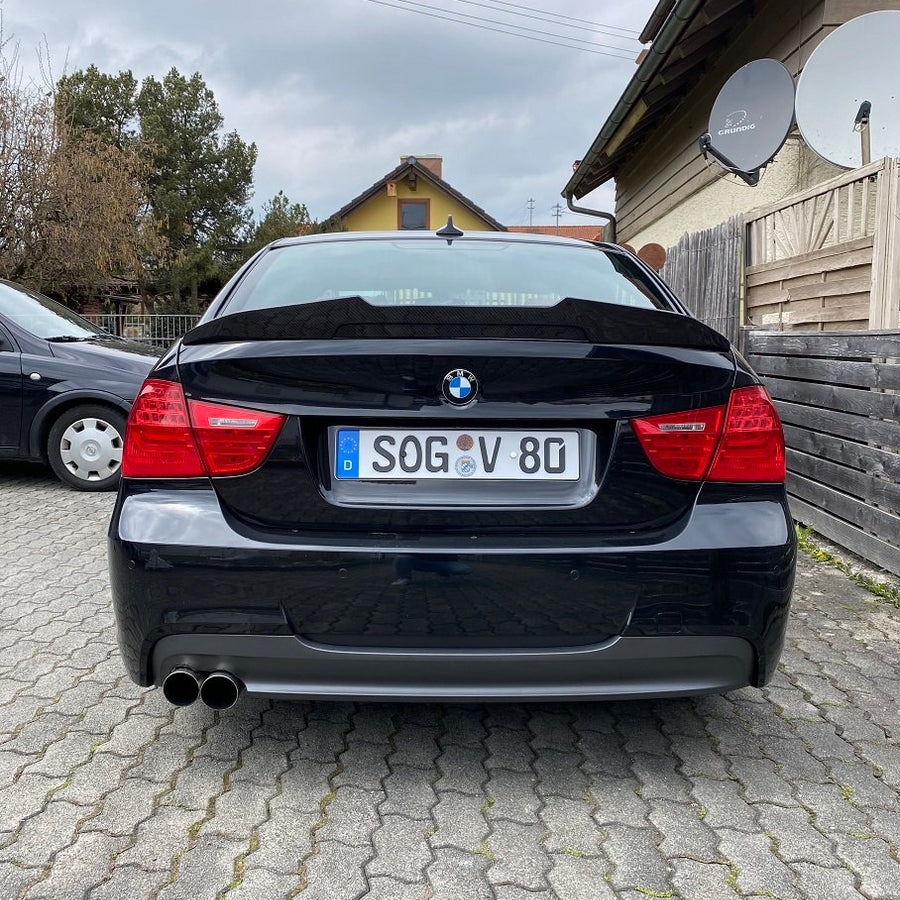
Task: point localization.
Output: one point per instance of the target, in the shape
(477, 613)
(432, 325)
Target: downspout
(584, 211)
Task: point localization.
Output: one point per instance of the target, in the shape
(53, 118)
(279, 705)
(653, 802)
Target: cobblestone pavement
(107, 792)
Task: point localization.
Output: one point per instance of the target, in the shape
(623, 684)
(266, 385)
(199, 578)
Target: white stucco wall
(794, 169)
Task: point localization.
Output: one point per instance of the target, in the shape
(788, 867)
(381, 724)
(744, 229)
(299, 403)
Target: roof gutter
(671, 31)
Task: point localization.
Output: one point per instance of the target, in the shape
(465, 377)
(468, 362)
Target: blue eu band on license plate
(371, 454)
(347, 456)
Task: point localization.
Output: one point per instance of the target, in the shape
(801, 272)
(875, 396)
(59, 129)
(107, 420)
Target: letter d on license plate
(391, 454)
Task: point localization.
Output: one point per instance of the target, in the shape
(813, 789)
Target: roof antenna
(449, 231)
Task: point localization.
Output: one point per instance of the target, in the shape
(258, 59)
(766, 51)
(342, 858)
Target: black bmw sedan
(447, 466)
(65, 389)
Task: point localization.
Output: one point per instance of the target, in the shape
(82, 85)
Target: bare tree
(73, 207)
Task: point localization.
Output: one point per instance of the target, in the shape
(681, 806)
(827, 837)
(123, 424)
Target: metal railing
(160, 331)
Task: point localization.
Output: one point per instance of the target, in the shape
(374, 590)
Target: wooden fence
(828, 258)
(837, 395)
(704, 271)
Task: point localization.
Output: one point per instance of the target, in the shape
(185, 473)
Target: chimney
(434, 164)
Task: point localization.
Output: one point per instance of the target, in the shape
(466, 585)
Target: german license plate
(386, 454)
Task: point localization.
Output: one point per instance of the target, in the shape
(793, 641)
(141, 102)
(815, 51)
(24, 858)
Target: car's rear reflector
(233, 440)
(681, 445)
(168, 437)
(744, 442)
(158, 440)
(752, 448)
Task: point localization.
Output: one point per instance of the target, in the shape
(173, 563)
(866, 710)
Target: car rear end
(398, 498)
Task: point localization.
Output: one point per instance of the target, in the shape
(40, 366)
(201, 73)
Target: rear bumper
(623, 668)
(704, 609)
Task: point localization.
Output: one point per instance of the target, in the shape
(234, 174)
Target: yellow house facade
(413, 197)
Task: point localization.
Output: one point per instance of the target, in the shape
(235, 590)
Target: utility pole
(557, 211)
(530, 205)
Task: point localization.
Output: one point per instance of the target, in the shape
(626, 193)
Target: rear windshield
(435, 273)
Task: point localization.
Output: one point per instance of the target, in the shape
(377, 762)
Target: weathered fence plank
(885, 376)
(836, 394)
(848, 344)
(704, 271)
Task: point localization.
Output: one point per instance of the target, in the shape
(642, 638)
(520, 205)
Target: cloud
(333, 93)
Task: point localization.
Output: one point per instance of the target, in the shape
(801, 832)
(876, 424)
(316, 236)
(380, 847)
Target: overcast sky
(334, 91)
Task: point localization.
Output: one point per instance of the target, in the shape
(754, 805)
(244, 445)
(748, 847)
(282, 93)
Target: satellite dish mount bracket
(707, 149)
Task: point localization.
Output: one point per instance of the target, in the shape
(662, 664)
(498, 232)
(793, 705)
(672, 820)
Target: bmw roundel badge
(460, 387)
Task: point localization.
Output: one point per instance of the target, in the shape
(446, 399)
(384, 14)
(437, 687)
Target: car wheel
(84, 447)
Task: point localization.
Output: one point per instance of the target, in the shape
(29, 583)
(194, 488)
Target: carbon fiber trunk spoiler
(585, 321)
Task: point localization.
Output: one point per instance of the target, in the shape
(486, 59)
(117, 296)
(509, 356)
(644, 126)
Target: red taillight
(752, 448)
(743, 443)
(158, 440)
(168, 437)
(233, 440)
(681, 445)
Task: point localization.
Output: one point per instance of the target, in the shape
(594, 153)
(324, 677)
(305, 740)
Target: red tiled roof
(585, 232)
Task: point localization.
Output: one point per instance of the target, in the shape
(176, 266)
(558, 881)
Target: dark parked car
(65, 388)
(474, 467)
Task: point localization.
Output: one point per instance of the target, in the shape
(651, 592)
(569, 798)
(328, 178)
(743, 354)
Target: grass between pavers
(880, 590)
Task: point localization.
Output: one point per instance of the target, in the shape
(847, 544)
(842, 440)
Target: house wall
(379, 213)
(666, 189)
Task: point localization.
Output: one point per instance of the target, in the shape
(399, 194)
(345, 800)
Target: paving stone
(203, 871)
(409, 792)
(570, 826)
(43, 835)
(460, 822)
(239, 810)
(455, 874)
(351, 817)
(756, 868)
(152, 846)
(132, 882)
(518, 857)
(78, 868)
(724, 805)
(871, 860)
(261, 884)
(384, 888)
(577, 878)
(684, 832)
(461, 770)
(401, 849)
(509, 750)
(511, 795)
(703, 881)
(819, 881)
(559, 775)
(796, 838)
(284, 839)
(619, 800)
(14, 878)
(635, 859)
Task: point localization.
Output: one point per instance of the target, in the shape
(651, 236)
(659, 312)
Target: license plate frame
(447, 455)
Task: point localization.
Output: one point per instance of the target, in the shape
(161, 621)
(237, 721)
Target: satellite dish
(751, 118)
(856, 64)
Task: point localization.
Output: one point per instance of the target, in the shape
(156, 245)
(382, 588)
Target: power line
(569, 18)
(564, 37)
(584, 26)
(529, 37)
(530, 205)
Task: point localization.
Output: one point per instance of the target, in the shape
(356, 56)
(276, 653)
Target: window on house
(412, 215)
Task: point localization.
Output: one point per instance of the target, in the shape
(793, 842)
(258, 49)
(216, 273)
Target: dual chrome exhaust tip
(218, 690)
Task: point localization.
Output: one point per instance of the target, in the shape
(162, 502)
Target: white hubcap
(91, 449)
